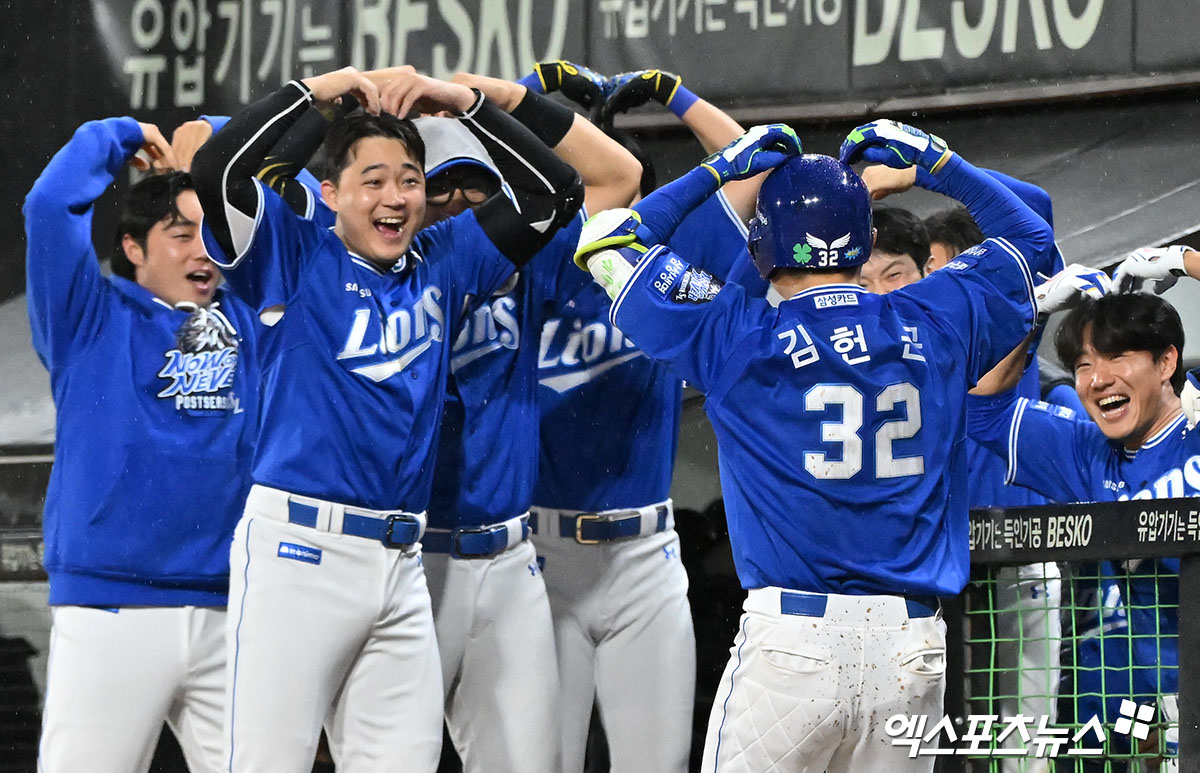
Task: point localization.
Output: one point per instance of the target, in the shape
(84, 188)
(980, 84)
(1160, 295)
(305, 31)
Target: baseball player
(333, 621)
(1125, 351)
(155, 381)
(609, 424)
(836, 418)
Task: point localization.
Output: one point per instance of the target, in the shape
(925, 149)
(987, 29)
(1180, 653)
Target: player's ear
(134, 252)
(329, 194)
(1168, 361)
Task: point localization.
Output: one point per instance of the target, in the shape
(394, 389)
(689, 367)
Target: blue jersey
(156, 407)
(1088, 467)
(487, 455)
(839, 416)
(610, 414)
(354, 386)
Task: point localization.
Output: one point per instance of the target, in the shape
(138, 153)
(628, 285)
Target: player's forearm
(1007, 373)
(997, 210)
(548, 190)
(83, 169)
(225, 167)
(664, 209)
(713, 127)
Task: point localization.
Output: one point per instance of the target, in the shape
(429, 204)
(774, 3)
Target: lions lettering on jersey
(573, 353)
(489, 328)
(200, 370)
(404, 332)
(1181, 481)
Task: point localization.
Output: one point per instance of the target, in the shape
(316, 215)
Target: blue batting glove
(759, 150)
(896, 145)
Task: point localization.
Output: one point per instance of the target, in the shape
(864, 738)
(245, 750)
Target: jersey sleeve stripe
(733, 216)
(244, 225)
(1014, 434)
(1008, 247)
(647, 259)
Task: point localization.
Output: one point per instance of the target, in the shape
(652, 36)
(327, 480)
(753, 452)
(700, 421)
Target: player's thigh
(777, 706)
(452, 591)
(504, 713)
(388, 714)
(111, 677)
(294, 628)
(197, 714)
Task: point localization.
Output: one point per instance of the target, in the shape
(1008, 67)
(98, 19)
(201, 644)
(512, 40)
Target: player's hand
(760, 149)
(1161, 265)
(609, 248)
(187, 139)
(413, 91)
(628, 90)
(1068, 288)
(581, 85)
(330, 87)
(896, 145)
(883, 181)
(155, 154)
(1190, 397)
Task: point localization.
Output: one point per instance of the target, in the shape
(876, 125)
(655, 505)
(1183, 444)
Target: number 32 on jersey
(903, 398)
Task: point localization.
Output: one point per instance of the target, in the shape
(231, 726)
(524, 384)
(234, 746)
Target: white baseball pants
(813, 693)
(625, 642)
(114, 676)
(328, 628)
(499, 668)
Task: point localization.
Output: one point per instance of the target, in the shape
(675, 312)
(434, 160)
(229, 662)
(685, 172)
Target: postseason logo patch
(696, 286)
(299, 553)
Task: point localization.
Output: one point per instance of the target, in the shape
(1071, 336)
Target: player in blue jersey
(333, 621)
(617, 586)
(837, 418)
(489, 600)
(155, 380)
(1125, 350)
(900, 252)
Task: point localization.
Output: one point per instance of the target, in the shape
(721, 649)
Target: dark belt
(470, 543)
(594, 528)
(813, 604)
(394, 530)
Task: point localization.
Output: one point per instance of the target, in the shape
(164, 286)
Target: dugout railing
(1134, 533)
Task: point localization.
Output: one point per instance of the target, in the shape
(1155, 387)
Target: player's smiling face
(379, 198)
(1127, 394)
(172, 263)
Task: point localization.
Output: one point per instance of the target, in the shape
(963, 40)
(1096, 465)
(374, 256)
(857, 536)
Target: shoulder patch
(1061, 411)
(697, 286)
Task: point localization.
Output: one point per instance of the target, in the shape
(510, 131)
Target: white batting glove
(1066, 289)
(1190, 397)
(1161, 265)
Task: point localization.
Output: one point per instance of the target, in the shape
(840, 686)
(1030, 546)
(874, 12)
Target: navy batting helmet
(813, 212)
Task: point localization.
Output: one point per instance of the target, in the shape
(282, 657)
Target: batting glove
(896, 145)
(759, 150)
(610, 248)
(577, 83)
(634, 89)
(1161, 265)
(1190, 397)
(1068, 287)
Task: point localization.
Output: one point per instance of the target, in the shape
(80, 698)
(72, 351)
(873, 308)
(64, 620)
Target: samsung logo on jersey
(836, 299)
(492, 327)
(407, 332)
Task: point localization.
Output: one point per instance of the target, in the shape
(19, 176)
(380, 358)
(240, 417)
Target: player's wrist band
(533, 82)
(681, 99)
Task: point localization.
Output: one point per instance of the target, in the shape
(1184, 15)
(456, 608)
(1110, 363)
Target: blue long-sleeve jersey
(839, 416)
(156, 407)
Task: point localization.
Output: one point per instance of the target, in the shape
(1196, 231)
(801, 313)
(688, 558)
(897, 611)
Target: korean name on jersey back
(381, 344)
(201, 369)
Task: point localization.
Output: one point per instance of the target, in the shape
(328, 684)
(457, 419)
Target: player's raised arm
(62, 274)
(609, 172)
(548, 191)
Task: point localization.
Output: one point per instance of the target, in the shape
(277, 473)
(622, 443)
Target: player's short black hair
(1123, 322)
(954, 227)
(900, 232)
(627, 140)
(151, 200)
(345, 132)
